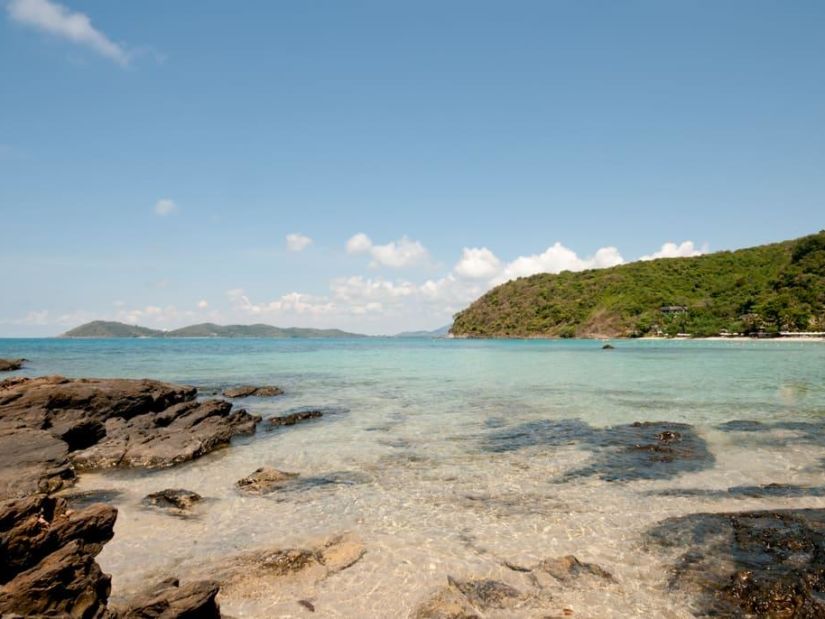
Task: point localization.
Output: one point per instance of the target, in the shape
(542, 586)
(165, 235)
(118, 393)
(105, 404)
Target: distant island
(771, 290)
(111, 329)
(435, 333)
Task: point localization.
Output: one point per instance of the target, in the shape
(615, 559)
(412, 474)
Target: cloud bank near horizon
(371, 303)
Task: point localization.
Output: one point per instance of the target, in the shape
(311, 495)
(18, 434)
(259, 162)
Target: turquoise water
(449, 457)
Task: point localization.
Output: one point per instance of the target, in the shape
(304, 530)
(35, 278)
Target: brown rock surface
(175, 499)
(103, 423)
(264, 480)
(9, 365)
(292, 418)
(245, 391)
(169, 600)
(47, 552)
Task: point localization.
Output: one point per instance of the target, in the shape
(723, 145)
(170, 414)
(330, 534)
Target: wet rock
(177, 434)
(568, 568)
(292, 418)
(608, 347)
(762, 563)
(264, 480)
(47, 564)
(176, 499)
(169, 600)
(245, 391)
(10, 365)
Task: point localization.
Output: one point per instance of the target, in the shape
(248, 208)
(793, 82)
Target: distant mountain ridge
(112, 329)
(435, 333)
(768, 289)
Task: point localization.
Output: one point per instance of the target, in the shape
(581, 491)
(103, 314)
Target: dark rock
(47, 565)
(308, 605)
(10, 365)
(265, 479)
(608, 347)
(173, 498)
(169, 600)
(763, 563)
(32, 461)
(292, 418)
(245, 391)
(67, 583)
(102, 423)
(178, 434)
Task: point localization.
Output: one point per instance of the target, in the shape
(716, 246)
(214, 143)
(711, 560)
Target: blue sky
(154, 155)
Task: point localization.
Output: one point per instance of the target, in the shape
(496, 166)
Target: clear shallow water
(451, 457)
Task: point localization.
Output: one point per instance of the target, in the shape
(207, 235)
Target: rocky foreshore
(51, 428)
(754, 563)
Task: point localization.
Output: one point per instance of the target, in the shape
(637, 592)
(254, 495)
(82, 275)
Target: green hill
(103, 329)
(771, 288)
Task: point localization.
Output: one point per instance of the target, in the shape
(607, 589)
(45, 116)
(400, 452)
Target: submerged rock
(10, 365)
(176, 499)
(168, 599)
(760, 563)
(47, 558)
(265, 479)
(260, 572)
(292, 418)
(568, 568)
(467, 599)
(640, 450)
(245, 391)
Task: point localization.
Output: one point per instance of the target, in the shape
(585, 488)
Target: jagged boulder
(47, 558)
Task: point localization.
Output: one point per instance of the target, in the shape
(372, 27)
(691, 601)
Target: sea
(463, 458)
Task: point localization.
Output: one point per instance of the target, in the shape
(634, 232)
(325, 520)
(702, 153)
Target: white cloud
(558, 258)
(203, 304)
(297, 242)
(291, 303)
(686, 249)
(165, 206)
(61, 21)
(359, 244)
(478, 263)
(396, 254)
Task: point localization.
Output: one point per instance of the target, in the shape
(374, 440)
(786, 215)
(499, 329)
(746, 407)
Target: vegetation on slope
(103, 329)
(777, 287)
(106, 328)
